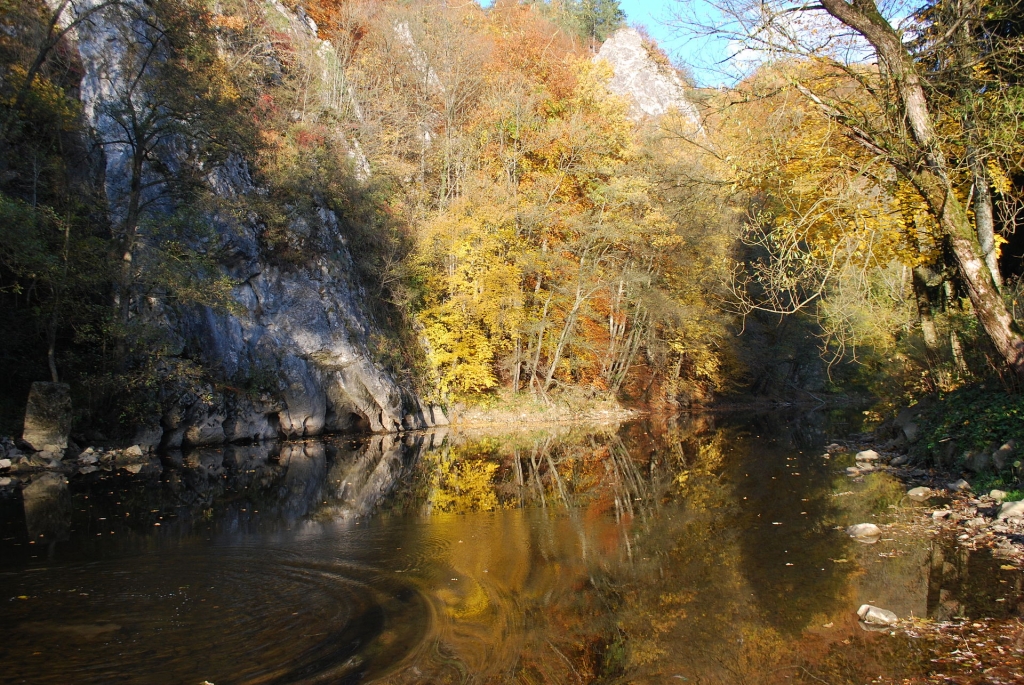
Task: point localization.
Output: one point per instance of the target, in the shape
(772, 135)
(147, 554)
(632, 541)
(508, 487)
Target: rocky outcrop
(48, 416)
(651, 87)
(300, 327)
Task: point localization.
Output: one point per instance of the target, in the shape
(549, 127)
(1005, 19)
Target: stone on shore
(959, 486)
(919, 494)
(868, 533)
(874, 616)
(867, 455)
(997, 495)
(1011, 510)
(48, 416)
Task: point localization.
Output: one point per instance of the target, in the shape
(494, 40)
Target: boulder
(997, 495)
(875, 616)
(868, 533)
(865, 467)
(919, 494)
(867, 455)
(48, 416)
(1010, 510)
(437, 414)
(977, 462)
(134, 451)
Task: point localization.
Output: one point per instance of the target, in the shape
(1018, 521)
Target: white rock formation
(651, 88)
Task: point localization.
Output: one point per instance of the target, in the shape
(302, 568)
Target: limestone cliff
(652, 88)
(302, 325)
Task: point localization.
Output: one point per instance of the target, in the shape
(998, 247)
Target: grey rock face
(301, 328)
(48, 416)
(652, 89)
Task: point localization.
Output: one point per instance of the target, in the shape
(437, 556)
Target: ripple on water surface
(228, 615)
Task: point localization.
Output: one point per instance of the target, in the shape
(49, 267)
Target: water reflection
(705, 549)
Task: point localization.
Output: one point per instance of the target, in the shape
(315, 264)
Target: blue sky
(697, 54)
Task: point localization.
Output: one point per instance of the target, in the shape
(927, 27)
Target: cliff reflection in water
(705, 548)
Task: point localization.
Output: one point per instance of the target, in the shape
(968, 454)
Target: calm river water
(707, 549)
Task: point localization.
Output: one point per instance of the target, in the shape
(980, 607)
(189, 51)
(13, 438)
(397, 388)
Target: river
(703, 549)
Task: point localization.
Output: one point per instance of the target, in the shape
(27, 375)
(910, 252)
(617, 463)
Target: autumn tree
(899, 128)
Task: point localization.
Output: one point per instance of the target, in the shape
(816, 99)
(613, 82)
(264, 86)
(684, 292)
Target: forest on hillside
(832, 225)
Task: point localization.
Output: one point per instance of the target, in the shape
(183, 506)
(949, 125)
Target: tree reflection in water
(703, 549)
(697, 548)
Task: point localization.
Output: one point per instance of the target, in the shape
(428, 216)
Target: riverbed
(703, 549)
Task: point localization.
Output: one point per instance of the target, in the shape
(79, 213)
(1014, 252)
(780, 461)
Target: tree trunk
(128, 234)
(932, 346)
(984, 220)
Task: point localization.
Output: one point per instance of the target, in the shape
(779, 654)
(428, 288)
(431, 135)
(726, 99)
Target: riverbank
(983, 525)
(509, 411)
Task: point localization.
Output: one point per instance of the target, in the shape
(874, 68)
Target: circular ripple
(230, 616)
